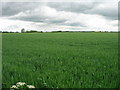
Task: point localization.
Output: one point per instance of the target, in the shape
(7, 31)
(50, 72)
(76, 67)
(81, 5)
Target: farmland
(61, 60)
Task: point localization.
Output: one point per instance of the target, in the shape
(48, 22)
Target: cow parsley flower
(30, 86)
(19, 84)
(14, 87)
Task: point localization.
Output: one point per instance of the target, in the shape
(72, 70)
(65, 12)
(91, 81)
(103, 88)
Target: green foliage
(57, 60)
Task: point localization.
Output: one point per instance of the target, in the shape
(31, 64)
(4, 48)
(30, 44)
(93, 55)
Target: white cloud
(17, 25)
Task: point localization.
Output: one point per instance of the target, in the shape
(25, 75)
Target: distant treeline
(34, 31)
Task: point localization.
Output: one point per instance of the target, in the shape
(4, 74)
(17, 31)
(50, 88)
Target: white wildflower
(14, 86)
(19, 84)
(30, 86)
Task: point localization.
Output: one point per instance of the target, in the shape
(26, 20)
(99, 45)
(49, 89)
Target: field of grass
(61, 60)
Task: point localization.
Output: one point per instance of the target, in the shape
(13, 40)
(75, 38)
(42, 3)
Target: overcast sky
(52, 16)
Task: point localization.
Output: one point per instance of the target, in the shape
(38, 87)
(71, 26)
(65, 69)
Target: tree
(22, 30)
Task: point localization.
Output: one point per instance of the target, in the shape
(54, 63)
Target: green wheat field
(61, 60)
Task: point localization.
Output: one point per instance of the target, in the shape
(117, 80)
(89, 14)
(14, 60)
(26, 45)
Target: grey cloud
(72, 6)
(57, 21)
(63, 22)
(76, 24)
(12, 8)
(33, 19)
(110, 13)
(87, 8)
